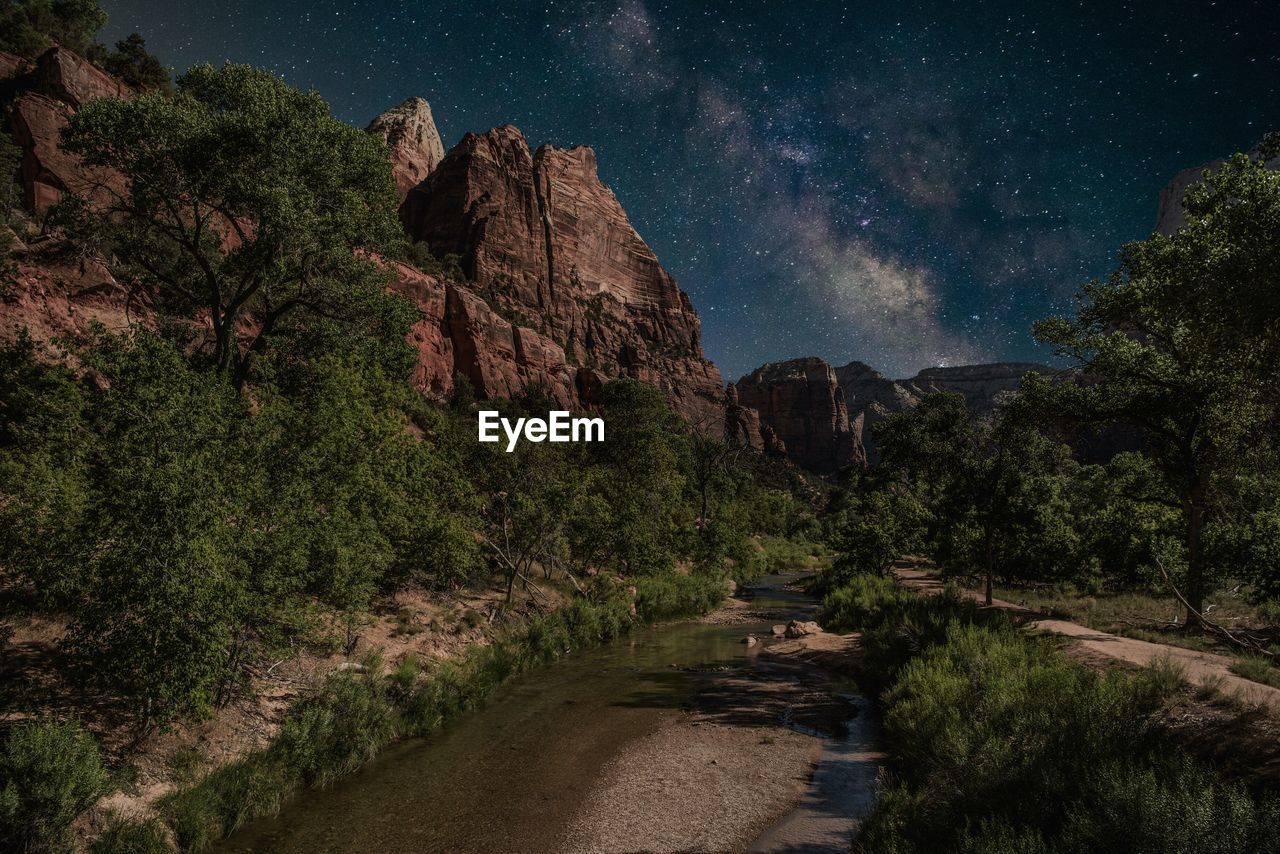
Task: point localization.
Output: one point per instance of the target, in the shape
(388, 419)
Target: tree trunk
(1195, 591)
(991, 561)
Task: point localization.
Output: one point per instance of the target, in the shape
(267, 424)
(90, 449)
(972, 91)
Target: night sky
(908, 184)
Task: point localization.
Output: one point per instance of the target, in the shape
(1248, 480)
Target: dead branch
(1242, 641)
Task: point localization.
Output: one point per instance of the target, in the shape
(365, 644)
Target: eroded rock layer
(547, 244)
(804, 404)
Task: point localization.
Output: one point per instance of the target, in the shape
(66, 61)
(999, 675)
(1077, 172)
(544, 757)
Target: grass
(354, 715)
(1142, 615)
(780, 554)
(1258, 669)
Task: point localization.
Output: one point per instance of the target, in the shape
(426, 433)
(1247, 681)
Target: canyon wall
(824, 416)
(545, 244)
(804, 404)
(562, 293)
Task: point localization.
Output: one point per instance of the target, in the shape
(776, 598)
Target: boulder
(779, 631)
(799, 629)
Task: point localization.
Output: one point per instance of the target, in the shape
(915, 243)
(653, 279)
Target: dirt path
(1199, 666)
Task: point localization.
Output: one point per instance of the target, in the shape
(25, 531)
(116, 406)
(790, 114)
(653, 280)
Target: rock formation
(744, 429)
(823, 416)
(43, 99)
(870, 396)
(563, 293)
(410, 132)
(545, 243)
(804, 404)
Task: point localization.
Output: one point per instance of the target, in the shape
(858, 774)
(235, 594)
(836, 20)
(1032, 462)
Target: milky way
(903, 184)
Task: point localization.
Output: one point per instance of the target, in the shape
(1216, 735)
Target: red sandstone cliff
(409, 131)
(804, 404)
(564, 292)
(545, 242)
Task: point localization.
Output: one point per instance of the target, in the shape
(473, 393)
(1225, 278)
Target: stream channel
(512, 775)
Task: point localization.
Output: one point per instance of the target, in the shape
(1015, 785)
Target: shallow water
(511, 775)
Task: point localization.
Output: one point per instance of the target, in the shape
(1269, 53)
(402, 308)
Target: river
(512, 775)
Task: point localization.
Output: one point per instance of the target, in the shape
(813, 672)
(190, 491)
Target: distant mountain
(824, 415)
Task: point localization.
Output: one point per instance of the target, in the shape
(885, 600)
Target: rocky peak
(410, 132)
(802, 401)
(547, 242)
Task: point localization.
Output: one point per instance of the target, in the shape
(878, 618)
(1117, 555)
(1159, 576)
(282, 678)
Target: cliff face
(409, 131)
(823, 416)
(545, 243)
(804, 404)
(42, 98)
(563, 293)
(870, 397)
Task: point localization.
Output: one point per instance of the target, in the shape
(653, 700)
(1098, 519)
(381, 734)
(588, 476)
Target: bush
(50, 771)
(1002, 744)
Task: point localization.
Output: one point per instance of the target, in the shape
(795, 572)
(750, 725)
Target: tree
(163, 589)
(1183, 342)
(242, 203)
(644, 480)
(133, 63)
(989, 484)
(28, 27)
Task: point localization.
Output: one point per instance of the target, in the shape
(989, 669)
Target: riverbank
(739, 761)
(676, 737)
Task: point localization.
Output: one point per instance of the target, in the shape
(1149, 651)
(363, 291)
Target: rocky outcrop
(74, 80)
(55, 295)
(804, 404)
(743, 427)
(43, 99)
(409, 131)
(548, 244)
(12, 65)
(870, 396)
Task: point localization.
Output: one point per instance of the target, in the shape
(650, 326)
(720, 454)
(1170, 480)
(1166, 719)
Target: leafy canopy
(243, 203)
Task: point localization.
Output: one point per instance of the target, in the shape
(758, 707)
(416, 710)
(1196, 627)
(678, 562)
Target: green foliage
(245, 199)
(50, 771)
(449, 267)
(1000, 743)
(1180, 343)
(176, 520)
(28, 27)
(132, 836)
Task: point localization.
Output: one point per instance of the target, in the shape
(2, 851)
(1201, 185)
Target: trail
(1199, 666)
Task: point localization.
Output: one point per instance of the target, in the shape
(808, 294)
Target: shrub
(1002, 744)
(49, 772)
